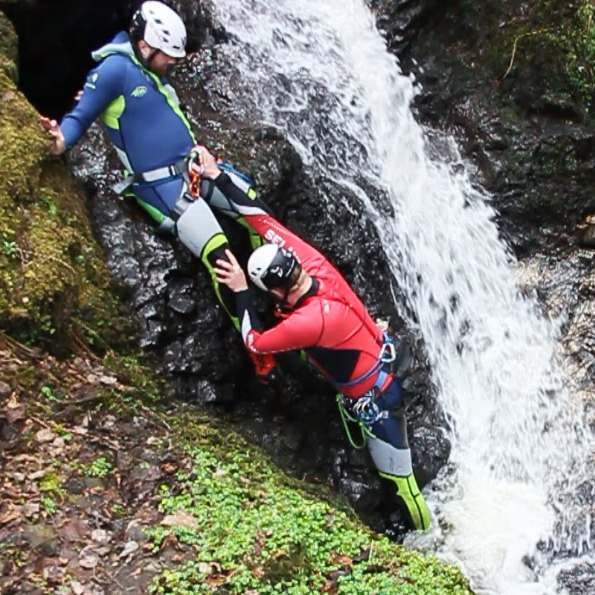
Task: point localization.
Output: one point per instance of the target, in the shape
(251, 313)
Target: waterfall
(513, 507)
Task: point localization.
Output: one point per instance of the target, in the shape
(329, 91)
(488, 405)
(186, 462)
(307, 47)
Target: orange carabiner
(194, 186)
(193, 174)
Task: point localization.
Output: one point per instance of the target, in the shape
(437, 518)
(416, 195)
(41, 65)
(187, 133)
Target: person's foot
(265, 365)
(410, 494)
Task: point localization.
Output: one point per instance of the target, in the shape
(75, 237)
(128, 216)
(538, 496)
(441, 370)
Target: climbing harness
(153, 175)
(365, 411)
(386, 357)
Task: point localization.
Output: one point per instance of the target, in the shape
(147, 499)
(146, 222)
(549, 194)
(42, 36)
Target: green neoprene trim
(155, 214)
(217, 241)
(256, 241)
(408, 491)
(161, 88)
(112, 113)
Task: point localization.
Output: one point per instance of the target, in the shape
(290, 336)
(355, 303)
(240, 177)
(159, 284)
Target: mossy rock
(8, 47)
(256, 530)
(52, 275)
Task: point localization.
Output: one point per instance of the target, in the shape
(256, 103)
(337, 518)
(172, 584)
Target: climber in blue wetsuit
(141, 113)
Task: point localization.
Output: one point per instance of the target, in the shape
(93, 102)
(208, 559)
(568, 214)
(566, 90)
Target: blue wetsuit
(142, 116)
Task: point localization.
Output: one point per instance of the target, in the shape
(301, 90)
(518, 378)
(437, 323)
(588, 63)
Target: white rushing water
(320, 72)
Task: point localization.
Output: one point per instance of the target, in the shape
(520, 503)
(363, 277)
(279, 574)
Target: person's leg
(390, 452)
(195, 225)
(237, 205)
(200, 232)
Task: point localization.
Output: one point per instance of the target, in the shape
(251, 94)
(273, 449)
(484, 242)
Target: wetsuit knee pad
(199, 230)
(395, 465)
(389, 459)
(392, 428)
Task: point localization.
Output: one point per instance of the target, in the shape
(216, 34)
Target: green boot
(416, 505)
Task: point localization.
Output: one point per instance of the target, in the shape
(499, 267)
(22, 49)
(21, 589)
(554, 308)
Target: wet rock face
(402, 20)
(189, 334)
(527, 134)
(529, 138)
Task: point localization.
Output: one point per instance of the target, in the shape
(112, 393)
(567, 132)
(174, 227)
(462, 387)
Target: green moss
(53, 283)
(134, 371)
(8, 47)
(252, 529)
(100, 467)
(51, 485)
(549, 48)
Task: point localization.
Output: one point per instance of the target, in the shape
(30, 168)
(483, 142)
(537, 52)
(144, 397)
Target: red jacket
(330, 322)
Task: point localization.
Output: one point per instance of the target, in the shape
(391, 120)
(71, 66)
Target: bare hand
(230, 273)
(58, 144)
(79, 95)
(206, 163)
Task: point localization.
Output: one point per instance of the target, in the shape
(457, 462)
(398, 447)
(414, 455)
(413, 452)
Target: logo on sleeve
(139, 91)
(91, 81)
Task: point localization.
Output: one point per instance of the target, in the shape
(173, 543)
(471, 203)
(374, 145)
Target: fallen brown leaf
(169, 468)
(44, 436)
(24, 458)
(180, 519)
(216, 580)
(89, 561)
(31, 509)
(129, 548)
(13, 513)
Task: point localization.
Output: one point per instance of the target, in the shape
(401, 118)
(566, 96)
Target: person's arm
(58, 144)
(255, 215)
(299, 330)
(265, 224)
(103, 85)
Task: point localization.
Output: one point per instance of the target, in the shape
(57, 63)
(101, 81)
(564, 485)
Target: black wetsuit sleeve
(237, 198)
(224, 183)
(247, 313)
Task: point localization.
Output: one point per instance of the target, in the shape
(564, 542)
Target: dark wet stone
(180, 298)
(588, 237)
(75, 485)
(579, 580)
(292, 439)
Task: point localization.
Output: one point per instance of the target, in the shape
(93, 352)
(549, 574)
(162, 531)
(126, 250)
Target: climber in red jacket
(322, 316)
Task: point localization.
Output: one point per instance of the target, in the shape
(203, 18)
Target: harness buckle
(120, 187)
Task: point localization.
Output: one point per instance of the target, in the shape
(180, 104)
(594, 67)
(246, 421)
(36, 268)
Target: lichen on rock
(51, 271)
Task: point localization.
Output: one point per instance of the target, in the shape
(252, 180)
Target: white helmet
(161, 27)
(271, 266)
